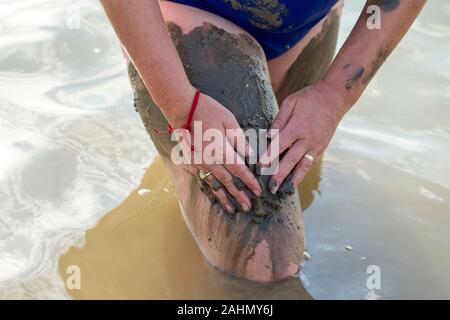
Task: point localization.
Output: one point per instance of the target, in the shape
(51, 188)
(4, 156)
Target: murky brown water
(143, 249)
(73, 152)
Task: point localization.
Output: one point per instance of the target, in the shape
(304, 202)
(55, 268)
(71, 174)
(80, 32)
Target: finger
(281, 118)
(219, 192)
(226, 179)
(287, 164)
(302, 168)
(241, 171)
(246, 176)
(280, 142)
(236, 137)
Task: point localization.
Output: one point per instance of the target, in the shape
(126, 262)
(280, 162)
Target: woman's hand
(230, 150)
(305, 125)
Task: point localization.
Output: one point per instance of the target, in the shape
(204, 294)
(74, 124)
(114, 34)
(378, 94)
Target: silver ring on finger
(204, 175)
(309, 157)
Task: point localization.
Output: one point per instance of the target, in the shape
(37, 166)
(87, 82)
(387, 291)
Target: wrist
(176, 103)
(339, 100)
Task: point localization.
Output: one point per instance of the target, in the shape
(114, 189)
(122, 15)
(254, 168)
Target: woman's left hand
(305, 124)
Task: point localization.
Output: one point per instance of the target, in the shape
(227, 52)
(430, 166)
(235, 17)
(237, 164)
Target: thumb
(281, 118)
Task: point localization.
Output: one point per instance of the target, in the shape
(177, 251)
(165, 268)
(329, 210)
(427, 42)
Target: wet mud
(267, 243)
(314, 61)
(354, 77)
(386, 5)
(263, 14)
(382, 55)
(241, 98)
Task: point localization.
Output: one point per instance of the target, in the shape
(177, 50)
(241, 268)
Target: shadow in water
(143, 250)
(310, 184)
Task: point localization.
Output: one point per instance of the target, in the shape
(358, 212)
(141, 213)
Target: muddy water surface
(73, 153)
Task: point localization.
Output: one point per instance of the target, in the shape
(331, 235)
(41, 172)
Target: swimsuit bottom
(276, 24)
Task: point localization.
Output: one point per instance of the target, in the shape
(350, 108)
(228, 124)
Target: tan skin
(307, 119)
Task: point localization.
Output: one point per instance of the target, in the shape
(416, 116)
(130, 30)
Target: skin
(265, 244)
(303, 128)
(140, 25)
(308, 118)
(141, 28)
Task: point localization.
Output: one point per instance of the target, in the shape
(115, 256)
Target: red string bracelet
(187, 124)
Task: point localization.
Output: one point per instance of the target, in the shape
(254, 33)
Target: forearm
(141, 29)
(365, 50)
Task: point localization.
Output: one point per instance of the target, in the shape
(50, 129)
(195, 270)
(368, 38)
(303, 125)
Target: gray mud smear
(314, 61)
(213, 67)
(386, 5)
(231, 69)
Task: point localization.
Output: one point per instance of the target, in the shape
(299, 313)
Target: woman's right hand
(231, 146)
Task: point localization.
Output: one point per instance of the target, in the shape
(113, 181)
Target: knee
(264, 250)
(229, 67)
(261, 267)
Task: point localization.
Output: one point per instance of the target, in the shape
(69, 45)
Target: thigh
(227, 64)
(220, 59)
(188, 18)
(308, 60)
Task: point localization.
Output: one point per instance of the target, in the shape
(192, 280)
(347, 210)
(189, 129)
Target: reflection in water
(309, 188)
(72, 149)
(143, 250)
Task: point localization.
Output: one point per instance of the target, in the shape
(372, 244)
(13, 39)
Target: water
(73, 153)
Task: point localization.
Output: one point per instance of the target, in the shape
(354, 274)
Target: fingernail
(229, 208)
(273, 186)
(257, 193)
(245, 207)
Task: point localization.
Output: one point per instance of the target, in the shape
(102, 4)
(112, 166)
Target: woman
(244, 56)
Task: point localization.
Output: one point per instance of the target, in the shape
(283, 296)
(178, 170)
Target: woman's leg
(301, 66)
(227, 64)
(307, 61)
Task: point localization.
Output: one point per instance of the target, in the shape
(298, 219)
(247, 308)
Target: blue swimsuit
(276, 24)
